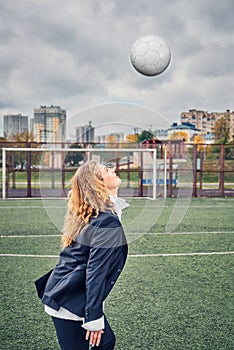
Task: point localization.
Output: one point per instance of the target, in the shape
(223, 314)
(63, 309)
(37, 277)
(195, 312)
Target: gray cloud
(76, 54)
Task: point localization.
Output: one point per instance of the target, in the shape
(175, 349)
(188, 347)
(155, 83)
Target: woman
(93, 256)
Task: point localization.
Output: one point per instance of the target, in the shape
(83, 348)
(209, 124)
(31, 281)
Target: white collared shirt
(119, 204)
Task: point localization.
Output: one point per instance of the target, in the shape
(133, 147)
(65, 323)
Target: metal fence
(168, 169)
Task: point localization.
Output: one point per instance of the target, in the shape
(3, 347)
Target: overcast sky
(75, 54)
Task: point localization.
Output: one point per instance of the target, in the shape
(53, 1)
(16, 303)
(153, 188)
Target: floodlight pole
(154, 174)
(3, 173)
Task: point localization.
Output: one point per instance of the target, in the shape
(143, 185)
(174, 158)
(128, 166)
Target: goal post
(4, 173)
(152, 156)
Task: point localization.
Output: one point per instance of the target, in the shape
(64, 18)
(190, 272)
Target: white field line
(29, 256)
(187, 233)
(29, 236)
(130, 233)
(179, 254)
(31, 207)
(182, 206)
(129, 256)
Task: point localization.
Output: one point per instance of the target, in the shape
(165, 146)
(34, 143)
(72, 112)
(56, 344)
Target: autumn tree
(111, 141)
(179, 135)
(22, 140)
(25, 136)
(221, 130)
(199, 141)
(132, 138)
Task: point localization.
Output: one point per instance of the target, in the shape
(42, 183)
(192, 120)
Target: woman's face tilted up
(111, 180)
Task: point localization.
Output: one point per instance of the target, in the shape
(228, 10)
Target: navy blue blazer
(87, 270)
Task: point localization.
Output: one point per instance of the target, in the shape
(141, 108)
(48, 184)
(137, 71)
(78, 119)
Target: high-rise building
(85, 134)
(49, 124)
(205, 121)
(14, 124)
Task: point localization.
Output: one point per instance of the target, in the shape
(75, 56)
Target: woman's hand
(94, 337)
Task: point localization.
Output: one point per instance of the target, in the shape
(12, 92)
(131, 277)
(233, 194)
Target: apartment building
(49, 124)
(85, 133)
(14, 124)
(205, 121)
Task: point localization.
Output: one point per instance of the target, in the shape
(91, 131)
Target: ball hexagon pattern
(150, 55)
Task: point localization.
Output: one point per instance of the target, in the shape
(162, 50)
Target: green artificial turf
(159, 302)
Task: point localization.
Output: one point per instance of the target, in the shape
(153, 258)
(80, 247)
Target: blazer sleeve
(96, 272)
(104, 242)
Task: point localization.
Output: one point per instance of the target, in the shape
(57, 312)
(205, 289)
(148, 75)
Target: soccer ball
(150, 55)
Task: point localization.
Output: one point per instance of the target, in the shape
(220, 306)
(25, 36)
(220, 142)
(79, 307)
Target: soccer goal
(39, 162)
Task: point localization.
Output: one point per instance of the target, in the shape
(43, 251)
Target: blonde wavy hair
(87, 197)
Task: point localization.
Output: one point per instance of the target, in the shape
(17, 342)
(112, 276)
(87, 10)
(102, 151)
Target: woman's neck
(113, 192)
